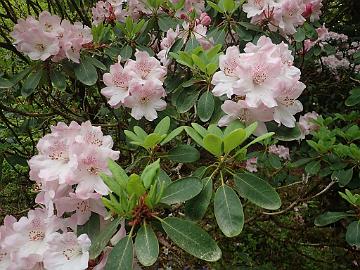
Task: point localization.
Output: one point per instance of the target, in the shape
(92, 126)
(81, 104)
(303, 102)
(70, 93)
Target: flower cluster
(34, 242)
(197, 29)
(280, 151)
(282, 15)
(108, 11)
(251, 164)
(137, 85)
(50, 37)
(262, 83)
(307, 124)
(67, 170)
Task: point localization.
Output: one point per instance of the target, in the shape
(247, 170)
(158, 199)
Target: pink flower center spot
(82, 206)
(70, 252)
(144, 100)
(35, 235)
(3, 255)
(119, 80)
(287, 101)
(40, 47)
(145, 68)
(259, 75)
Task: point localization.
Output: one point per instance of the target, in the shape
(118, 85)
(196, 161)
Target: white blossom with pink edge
(282, 15)
(145, 99)
(50, 37)
(251, 164)
(307, 124)
(264, 79)
(67, 251)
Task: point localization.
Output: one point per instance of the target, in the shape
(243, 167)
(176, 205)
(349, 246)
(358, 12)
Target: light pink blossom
(280, 151)
(251, 164)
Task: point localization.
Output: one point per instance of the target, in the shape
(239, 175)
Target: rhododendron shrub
(141, 121)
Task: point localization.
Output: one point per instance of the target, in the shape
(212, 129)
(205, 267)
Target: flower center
(259, 75)
(71, 252)
(3, 255)
(36, 235)
(120, 80)
(82, 206)
(92, 138)
(40, 47)
(144, 100)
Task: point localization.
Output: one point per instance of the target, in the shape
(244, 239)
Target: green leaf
(101, 240)
(95, 62)
(199, 129)
(313, 167)
(183, 154)
(91, 227)
(259, 139)
(58, 80)
(186, 99)
(165, 22)
(172, 135)
(150, 172)
(283, 133)
(257, 191)
(205, 107)
(86, 73)
(329, 218)
(196, 207)
(5, 83)
(342, 176)
(163, 126)
(275, 161)
(300, 162)
(228, 211)
(213, 144)
(299, 36)
(234, 139)
(31, 82)
(354, 97)
(181, 190)
(135, 186)
(152, 140)
(146, 245)
(140, 132)
(191, 238)
(121, 256)
(194, 135)
(118, 173)
(126, 52)
(353, 234)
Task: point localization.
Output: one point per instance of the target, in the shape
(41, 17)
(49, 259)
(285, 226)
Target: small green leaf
(213, 144)
(86, 73)
(228, 211)
(126, 52)
(96, 62)
(121, 256)
(181, 190)
(353, 234)
(163, 126)
(313, 167)
(342, 176)
(101, 240)
(172, 135)
(234, 139)
(91, 227)
(191, 238)
(205, 107)
(5, 83)
(329, 218)
(184, 154)
(31, 82)
(274, 161)
(194, 135)
(150, 172)
(257, 191)
(152, 140)
(135, 186)
(58, 80)
(299, 36)
(146, 245)
(196, 207)
(118, 173)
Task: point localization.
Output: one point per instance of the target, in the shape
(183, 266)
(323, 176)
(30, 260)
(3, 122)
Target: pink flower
(288, 106)
(224, 80)
(82, 208)
(66, 251)
(145, 99)
(241, 111)
(204, 19)
(145, 67)
(38, 45)
(256, 7)
(280, 151)
(251, 164)
(312, 9)
(117, 85)
(306, 123)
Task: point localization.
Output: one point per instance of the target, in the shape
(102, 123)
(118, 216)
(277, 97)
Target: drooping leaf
(121, 256)
(196, 207)
(205, 107)
(146, 245)
(85, 72)
(228, 211)
(329, 218)
(58, 80)
(353, 234)
(191, 238)
(257, 191)
(31, 82)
